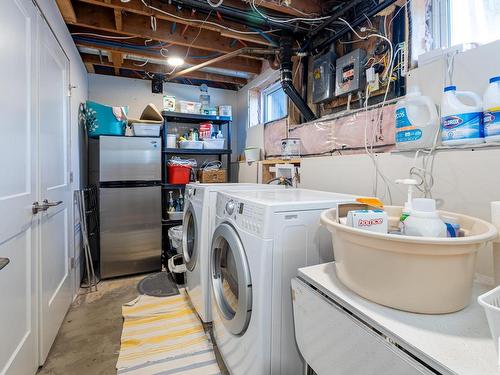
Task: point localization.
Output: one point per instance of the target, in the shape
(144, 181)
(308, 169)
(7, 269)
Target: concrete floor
(88, 341)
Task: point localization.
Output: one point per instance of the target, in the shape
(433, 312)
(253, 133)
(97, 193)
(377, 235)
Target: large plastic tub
(417, 274)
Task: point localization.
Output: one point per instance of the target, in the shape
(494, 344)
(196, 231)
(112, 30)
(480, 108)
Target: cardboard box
(218, 176)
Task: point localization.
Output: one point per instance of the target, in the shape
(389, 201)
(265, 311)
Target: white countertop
(458, 343)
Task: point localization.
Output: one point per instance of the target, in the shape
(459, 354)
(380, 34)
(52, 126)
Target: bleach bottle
(417, 121)
(461, 124)
(491, 104)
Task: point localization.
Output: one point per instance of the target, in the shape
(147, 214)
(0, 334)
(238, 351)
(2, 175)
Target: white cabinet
(333, 341)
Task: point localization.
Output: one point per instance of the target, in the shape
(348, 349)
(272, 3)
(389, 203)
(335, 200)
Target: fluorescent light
(175, 61)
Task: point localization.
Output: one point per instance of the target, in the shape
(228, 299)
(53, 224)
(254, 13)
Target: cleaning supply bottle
(417, 121)
(407, 207)
(220, 135)
(424, 220)
(461, 124)
(491, 104)
(171, 204)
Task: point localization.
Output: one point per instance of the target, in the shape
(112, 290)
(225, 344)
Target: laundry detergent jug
(491, 104)
(461, 124)
(417, 121)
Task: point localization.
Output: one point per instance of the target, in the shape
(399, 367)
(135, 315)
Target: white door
(18, 225)
(53, 107)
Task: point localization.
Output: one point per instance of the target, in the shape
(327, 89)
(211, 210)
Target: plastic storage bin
(491, 303)
(178, 174)
(252, 154)
(146, 130)
(175, 215)
(213, 144)
(197, 145)
(184, 106)
(418, 274)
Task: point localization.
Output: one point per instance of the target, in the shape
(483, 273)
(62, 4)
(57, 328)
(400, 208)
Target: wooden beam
(161, 69)
(297, 8)
(90, 67)
(67, 11)
(135, 25)
(117, 59)
(182, 16)
(118, 19)
(241, 64)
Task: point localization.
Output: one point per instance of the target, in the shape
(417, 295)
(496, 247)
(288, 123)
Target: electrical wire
(286, 20)
(206, 22)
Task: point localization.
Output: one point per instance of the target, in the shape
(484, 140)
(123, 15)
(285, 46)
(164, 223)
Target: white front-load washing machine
(260, 240)
(198, 225)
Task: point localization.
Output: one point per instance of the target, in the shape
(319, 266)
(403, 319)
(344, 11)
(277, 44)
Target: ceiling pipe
(358, 21)
(227, 56)
(334, 17)
(286, 79)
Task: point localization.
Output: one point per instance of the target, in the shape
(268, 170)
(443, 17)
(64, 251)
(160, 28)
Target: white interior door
(53, 106)
(18, 225)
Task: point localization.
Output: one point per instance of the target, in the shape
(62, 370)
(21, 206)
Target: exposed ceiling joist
(182, 16)
(89, 59)
(67, 11)
(97, 19)
(297, 8)
(118, 20)
(241, 64)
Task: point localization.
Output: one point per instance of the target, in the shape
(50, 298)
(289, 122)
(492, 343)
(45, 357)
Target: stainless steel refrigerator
(129, 179)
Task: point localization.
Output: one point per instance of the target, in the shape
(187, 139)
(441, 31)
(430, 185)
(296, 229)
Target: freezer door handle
(4, 262)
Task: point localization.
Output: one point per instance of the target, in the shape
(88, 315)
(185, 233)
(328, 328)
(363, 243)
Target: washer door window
(232, 285)
(190, 238)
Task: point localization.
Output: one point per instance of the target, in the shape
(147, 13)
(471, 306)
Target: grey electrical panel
(350, 74)
(323, 83)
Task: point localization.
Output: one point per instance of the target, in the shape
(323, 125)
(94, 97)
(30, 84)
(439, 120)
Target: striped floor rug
(163, 335)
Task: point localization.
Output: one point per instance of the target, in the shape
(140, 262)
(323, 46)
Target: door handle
(37, 207)
(48, 204)
(4, 262)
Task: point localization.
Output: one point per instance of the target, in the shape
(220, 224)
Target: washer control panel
(246, 215)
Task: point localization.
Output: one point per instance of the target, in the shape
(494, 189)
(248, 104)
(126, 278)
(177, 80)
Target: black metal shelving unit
(223, 123)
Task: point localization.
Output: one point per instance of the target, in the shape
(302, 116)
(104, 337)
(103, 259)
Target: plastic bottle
(491, 104)
(461, 124)
(220, 135)
(424, 220)
(407, 207)
(417, 121)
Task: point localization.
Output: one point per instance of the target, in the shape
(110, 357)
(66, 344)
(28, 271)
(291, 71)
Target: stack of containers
(491, 103)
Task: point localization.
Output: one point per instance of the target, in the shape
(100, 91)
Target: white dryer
(260, 240)
(198, 225)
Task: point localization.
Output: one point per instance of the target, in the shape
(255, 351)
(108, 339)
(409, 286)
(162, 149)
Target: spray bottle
(407, 207)
(171, 205)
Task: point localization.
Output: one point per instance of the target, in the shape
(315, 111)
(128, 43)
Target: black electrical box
(157, 84)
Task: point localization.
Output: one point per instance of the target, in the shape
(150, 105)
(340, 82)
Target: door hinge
(70, 177)
(71, 263)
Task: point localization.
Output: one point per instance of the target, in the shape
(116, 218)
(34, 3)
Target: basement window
(462, 22)
(274, 103)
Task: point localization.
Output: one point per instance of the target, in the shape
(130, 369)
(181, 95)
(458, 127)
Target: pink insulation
(345, 134)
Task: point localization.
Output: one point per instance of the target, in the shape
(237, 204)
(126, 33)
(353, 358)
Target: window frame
(263, 96)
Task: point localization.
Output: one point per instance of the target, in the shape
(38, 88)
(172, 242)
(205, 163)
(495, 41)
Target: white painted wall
(136, 93)
(79, 94)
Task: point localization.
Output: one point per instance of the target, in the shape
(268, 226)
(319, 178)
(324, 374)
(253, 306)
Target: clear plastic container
(491, 303)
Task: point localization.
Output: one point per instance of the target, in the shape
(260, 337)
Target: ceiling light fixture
(175, 61)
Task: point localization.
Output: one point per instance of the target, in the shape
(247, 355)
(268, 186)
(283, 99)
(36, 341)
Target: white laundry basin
(417, 274)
